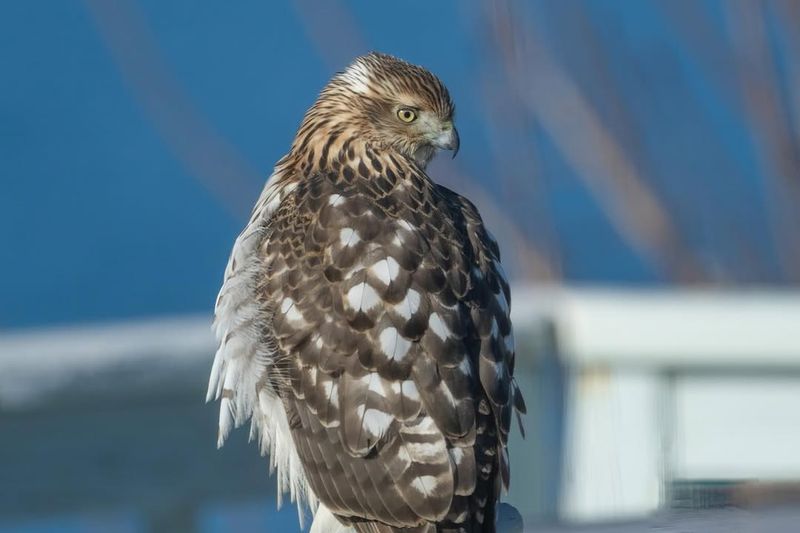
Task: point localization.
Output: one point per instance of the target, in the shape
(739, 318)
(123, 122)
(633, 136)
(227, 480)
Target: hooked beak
(448, 140)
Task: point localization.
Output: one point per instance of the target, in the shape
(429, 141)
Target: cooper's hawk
(364, 317)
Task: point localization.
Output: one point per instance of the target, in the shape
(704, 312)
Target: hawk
(363, 322)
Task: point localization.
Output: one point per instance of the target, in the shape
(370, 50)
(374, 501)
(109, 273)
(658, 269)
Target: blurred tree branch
(207, 155)
(705, 45)
(599, 160)
(759, 82)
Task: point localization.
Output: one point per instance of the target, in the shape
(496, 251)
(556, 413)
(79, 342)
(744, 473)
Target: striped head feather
(381, 103)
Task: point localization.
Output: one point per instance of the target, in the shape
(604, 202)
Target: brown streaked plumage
(364, 319)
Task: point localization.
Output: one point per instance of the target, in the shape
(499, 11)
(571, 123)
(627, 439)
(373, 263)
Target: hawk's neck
(350, 158)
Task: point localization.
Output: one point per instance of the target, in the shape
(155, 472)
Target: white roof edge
(670, 327)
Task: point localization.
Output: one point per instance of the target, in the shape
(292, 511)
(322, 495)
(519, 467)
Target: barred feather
(364, 322)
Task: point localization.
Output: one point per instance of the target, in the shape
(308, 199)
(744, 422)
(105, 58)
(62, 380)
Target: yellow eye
(406, 115)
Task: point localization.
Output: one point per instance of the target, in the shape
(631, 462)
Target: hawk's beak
(448, 140)
(455, 143)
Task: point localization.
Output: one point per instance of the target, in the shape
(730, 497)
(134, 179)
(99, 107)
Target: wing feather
(391, 329)
(245, 359)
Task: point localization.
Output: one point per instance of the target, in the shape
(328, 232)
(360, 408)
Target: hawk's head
(390, 104)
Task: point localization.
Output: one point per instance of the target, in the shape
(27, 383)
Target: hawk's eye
(406, 115)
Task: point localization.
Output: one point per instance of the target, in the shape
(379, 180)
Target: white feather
(376, 422)
(393, 344)
(362, 297)
(357, 77)
(376, 384)
(425, 484)
(325, 522)
(465, 366)
(242, 358)
(386, 270)
(408, 305)
(409, 389)
(348, 237)
(438, 326)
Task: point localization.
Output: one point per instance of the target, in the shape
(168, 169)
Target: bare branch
(192, 139)
(554, 99)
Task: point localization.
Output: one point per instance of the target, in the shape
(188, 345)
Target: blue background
(136, 135)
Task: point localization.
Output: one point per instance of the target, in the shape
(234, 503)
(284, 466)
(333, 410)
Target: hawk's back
(389, 315)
